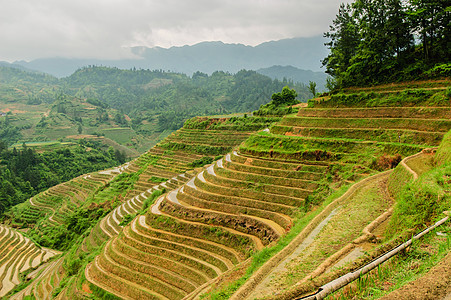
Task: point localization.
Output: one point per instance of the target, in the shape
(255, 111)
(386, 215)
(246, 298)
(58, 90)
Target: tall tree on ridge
(344, 41)
(432, 21)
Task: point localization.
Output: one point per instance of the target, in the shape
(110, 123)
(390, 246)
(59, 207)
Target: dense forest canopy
(133, 91)
(25, 172)
(377, 41)
(169, 99)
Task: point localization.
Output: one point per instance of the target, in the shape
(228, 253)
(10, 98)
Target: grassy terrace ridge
(386, 96)
(422, 112)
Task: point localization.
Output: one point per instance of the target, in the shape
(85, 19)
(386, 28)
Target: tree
(312, 87)
(398, 28)
(372, 41)
(80, 129)
(286, 97)
(120, 156)
(431, 19)
(344, 39)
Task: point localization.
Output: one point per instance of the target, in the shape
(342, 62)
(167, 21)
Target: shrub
(440, 70)
(150, 200)
(286, 97)
(127, 219)
(156, 179)
(385, 162)
(201, 162)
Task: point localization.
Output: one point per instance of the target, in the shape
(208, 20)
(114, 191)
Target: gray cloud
(32, 29)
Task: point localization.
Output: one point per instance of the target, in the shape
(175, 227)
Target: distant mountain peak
(207, 57)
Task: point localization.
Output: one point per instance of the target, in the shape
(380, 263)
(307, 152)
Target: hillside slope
(252, 207)
(131, 109)
(258, 193)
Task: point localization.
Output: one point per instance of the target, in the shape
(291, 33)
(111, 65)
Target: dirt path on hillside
(259, 290)
(254, 287)
(116, 170)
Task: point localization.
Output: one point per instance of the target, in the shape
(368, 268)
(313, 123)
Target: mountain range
(207, 57)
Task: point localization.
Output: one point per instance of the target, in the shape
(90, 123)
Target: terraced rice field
(206, 142)
(162, 163)
(254, 196)
(218, 138)
(57, 202)
(18, 254)
(210, 225)
(110, 226)
(158, 169)
(410, 125)
(210, 221)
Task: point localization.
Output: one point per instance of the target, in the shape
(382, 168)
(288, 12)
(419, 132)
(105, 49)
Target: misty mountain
(295, 74)
(207, 57)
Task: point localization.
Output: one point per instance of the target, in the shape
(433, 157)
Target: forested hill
(171, 98)
(25, 172)
(134, 108)
(375, 42)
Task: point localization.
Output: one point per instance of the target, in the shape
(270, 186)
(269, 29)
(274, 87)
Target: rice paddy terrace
(18, 254)
(202, 231)
(297, 204)
(122, 190)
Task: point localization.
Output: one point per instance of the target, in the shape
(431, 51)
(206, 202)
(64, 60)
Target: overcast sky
(32, 29)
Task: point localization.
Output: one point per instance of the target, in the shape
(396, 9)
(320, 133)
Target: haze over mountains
(207, 57)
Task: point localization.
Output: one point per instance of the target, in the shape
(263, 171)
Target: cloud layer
(105, 29)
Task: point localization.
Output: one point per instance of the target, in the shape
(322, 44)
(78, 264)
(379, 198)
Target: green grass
(421, 202)
(407, 97)
(444, 150)
(155, 179)
(119, 135)
(421, 164)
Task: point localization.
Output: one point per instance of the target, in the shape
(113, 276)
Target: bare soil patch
(83, 136)
(301, 105)
(85, 288)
